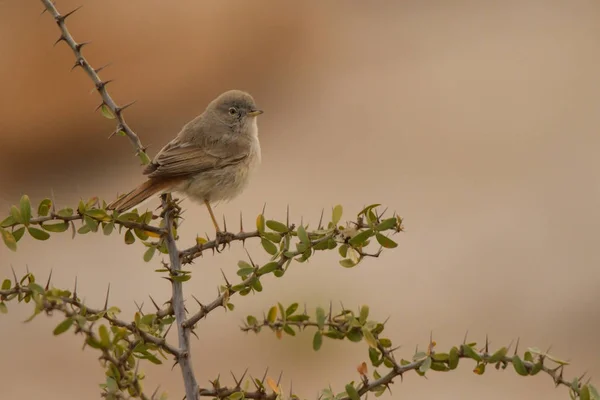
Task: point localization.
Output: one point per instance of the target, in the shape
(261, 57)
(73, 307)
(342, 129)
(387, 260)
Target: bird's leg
(212, 216)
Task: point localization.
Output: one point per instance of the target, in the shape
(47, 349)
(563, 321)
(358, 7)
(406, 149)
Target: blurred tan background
(477, 121)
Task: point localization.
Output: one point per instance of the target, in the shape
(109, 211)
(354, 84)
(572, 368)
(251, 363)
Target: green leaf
(290, 310)
(361, 237)
(181, 278)
(129, 238)
(386, 224)
(594, 395)
(63, 326)
(469, 352)
(245, 271)
(9, 239)
(251, 320)
(3, 308)
(38, 233)
(317, 340)
(106, 112)
(44, 207)
(149, 253)
(236, 396)
(260, 223)
(352, 393)
(369, 338)
(320, 318)
(347, 263)
(453, 358)
(141, 154)
(256, 285)
(336, 214)
(272, 315)
(6, 284)
(56, 227)
(385, 241)
(584, 393)
(244, 264)
(65, 212)
(268, 267)
(268, 246)
(98, 214)
(83, 230)
(519, 366)
(498, 355)
(277, 226)
(425, 366)
(303, 236)
(363, 315)
(104, 336)
(25, 208)
(16, 214)
(108, 228)
(368, 208)
(8, 221)
(18, 233)
(289, 330)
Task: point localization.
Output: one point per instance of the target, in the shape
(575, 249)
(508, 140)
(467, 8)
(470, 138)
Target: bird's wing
(176, 160)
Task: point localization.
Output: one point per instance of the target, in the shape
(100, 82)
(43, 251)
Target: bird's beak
(254, 113)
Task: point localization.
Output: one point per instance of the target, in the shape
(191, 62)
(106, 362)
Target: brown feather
(139, 194)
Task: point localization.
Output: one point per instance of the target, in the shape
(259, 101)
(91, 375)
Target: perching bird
(211, 158)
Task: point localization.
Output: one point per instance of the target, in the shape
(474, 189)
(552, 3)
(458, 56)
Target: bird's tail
(138, 195)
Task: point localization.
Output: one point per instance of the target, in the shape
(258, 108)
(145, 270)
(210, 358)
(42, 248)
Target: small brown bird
(211, 158)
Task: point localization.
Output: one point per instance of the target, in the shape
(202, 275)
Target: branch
(188, 255)
(107, 101)
(184, 358)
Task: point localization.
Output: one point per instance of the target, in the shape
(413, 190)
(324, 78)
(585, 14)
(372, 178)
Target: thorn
(465, 339)
(320, 226)
(279, 379)
(264, 207)
(63, 17)
(509, 346)
(99, 106)
(517, 346)
(97, 70)
(49, 278)
(241, 224)
(194, 333)
(78, 63)
(243, 375)
(237, 383)
(264, 376)
(254, 382)
(330, 310)
(27, 269)
(291, 389)
(139, 307)
(153, 302)
(250, 258)
(198, 301)
(100, 85)
(75, 289)
(14, 276)
(287, 216)
(487, 344)
(118, 110)
(106, 301)
(226, 281)
(394, 349)
(174, 364)
(79, 46)
(60, 39)
(155, 392)
(224, 224)
(167, 331)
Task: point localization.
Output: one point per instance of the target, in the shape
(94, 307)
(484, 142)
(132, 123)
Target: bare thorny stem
(184, 358)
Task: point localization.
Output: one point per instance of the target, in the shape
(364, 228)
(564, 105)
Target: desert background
(477, 121)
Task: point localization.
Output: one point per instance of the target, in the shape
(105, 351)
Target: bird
(211, 159)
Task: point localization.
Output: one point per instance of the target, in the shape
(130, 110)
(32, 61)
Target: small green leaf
(38, 233)
(3, 308)
(584, 393)
(9, 239)
(369, 338)
(347, 263)
(363, 315)
(56, 227)
(8, 221)
(44, 207)
(244, 264)
(65, 212)
(498, 355)
(303, 236)
(236, 396)
(106, 112)
(245, 271)
(289, 330)
(260, 223)
(129, 238)
(453, 358)
(361, 237)
(6, 284)
(108, 228)
(519, 366)
(141, 154)
(317, 340)
(181, 278)
(594, 395)
(25, 208)
(149, 253)
(352, 393)
(320, 318)
(251, 320)
(469, 352)
(336, 214)
(16, 214)
(277, 226)
(104, 336)
(289, 311)
(63, 326)
(386, 224)
(98, 214)
(272, 315)
(425, 366)
(268, 267)
(18, 233)
(385, 241)
(268, 246)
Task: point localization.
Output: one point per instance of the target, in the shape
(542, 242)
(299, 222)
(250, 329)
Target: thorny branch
(107, 100)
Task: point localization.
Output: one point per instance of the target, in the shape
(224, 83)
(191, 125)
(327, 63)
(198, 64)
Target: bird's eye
(232, 111)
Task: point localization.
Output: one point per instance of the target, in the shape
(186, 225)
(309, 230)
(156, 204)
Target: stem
(184, 360)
